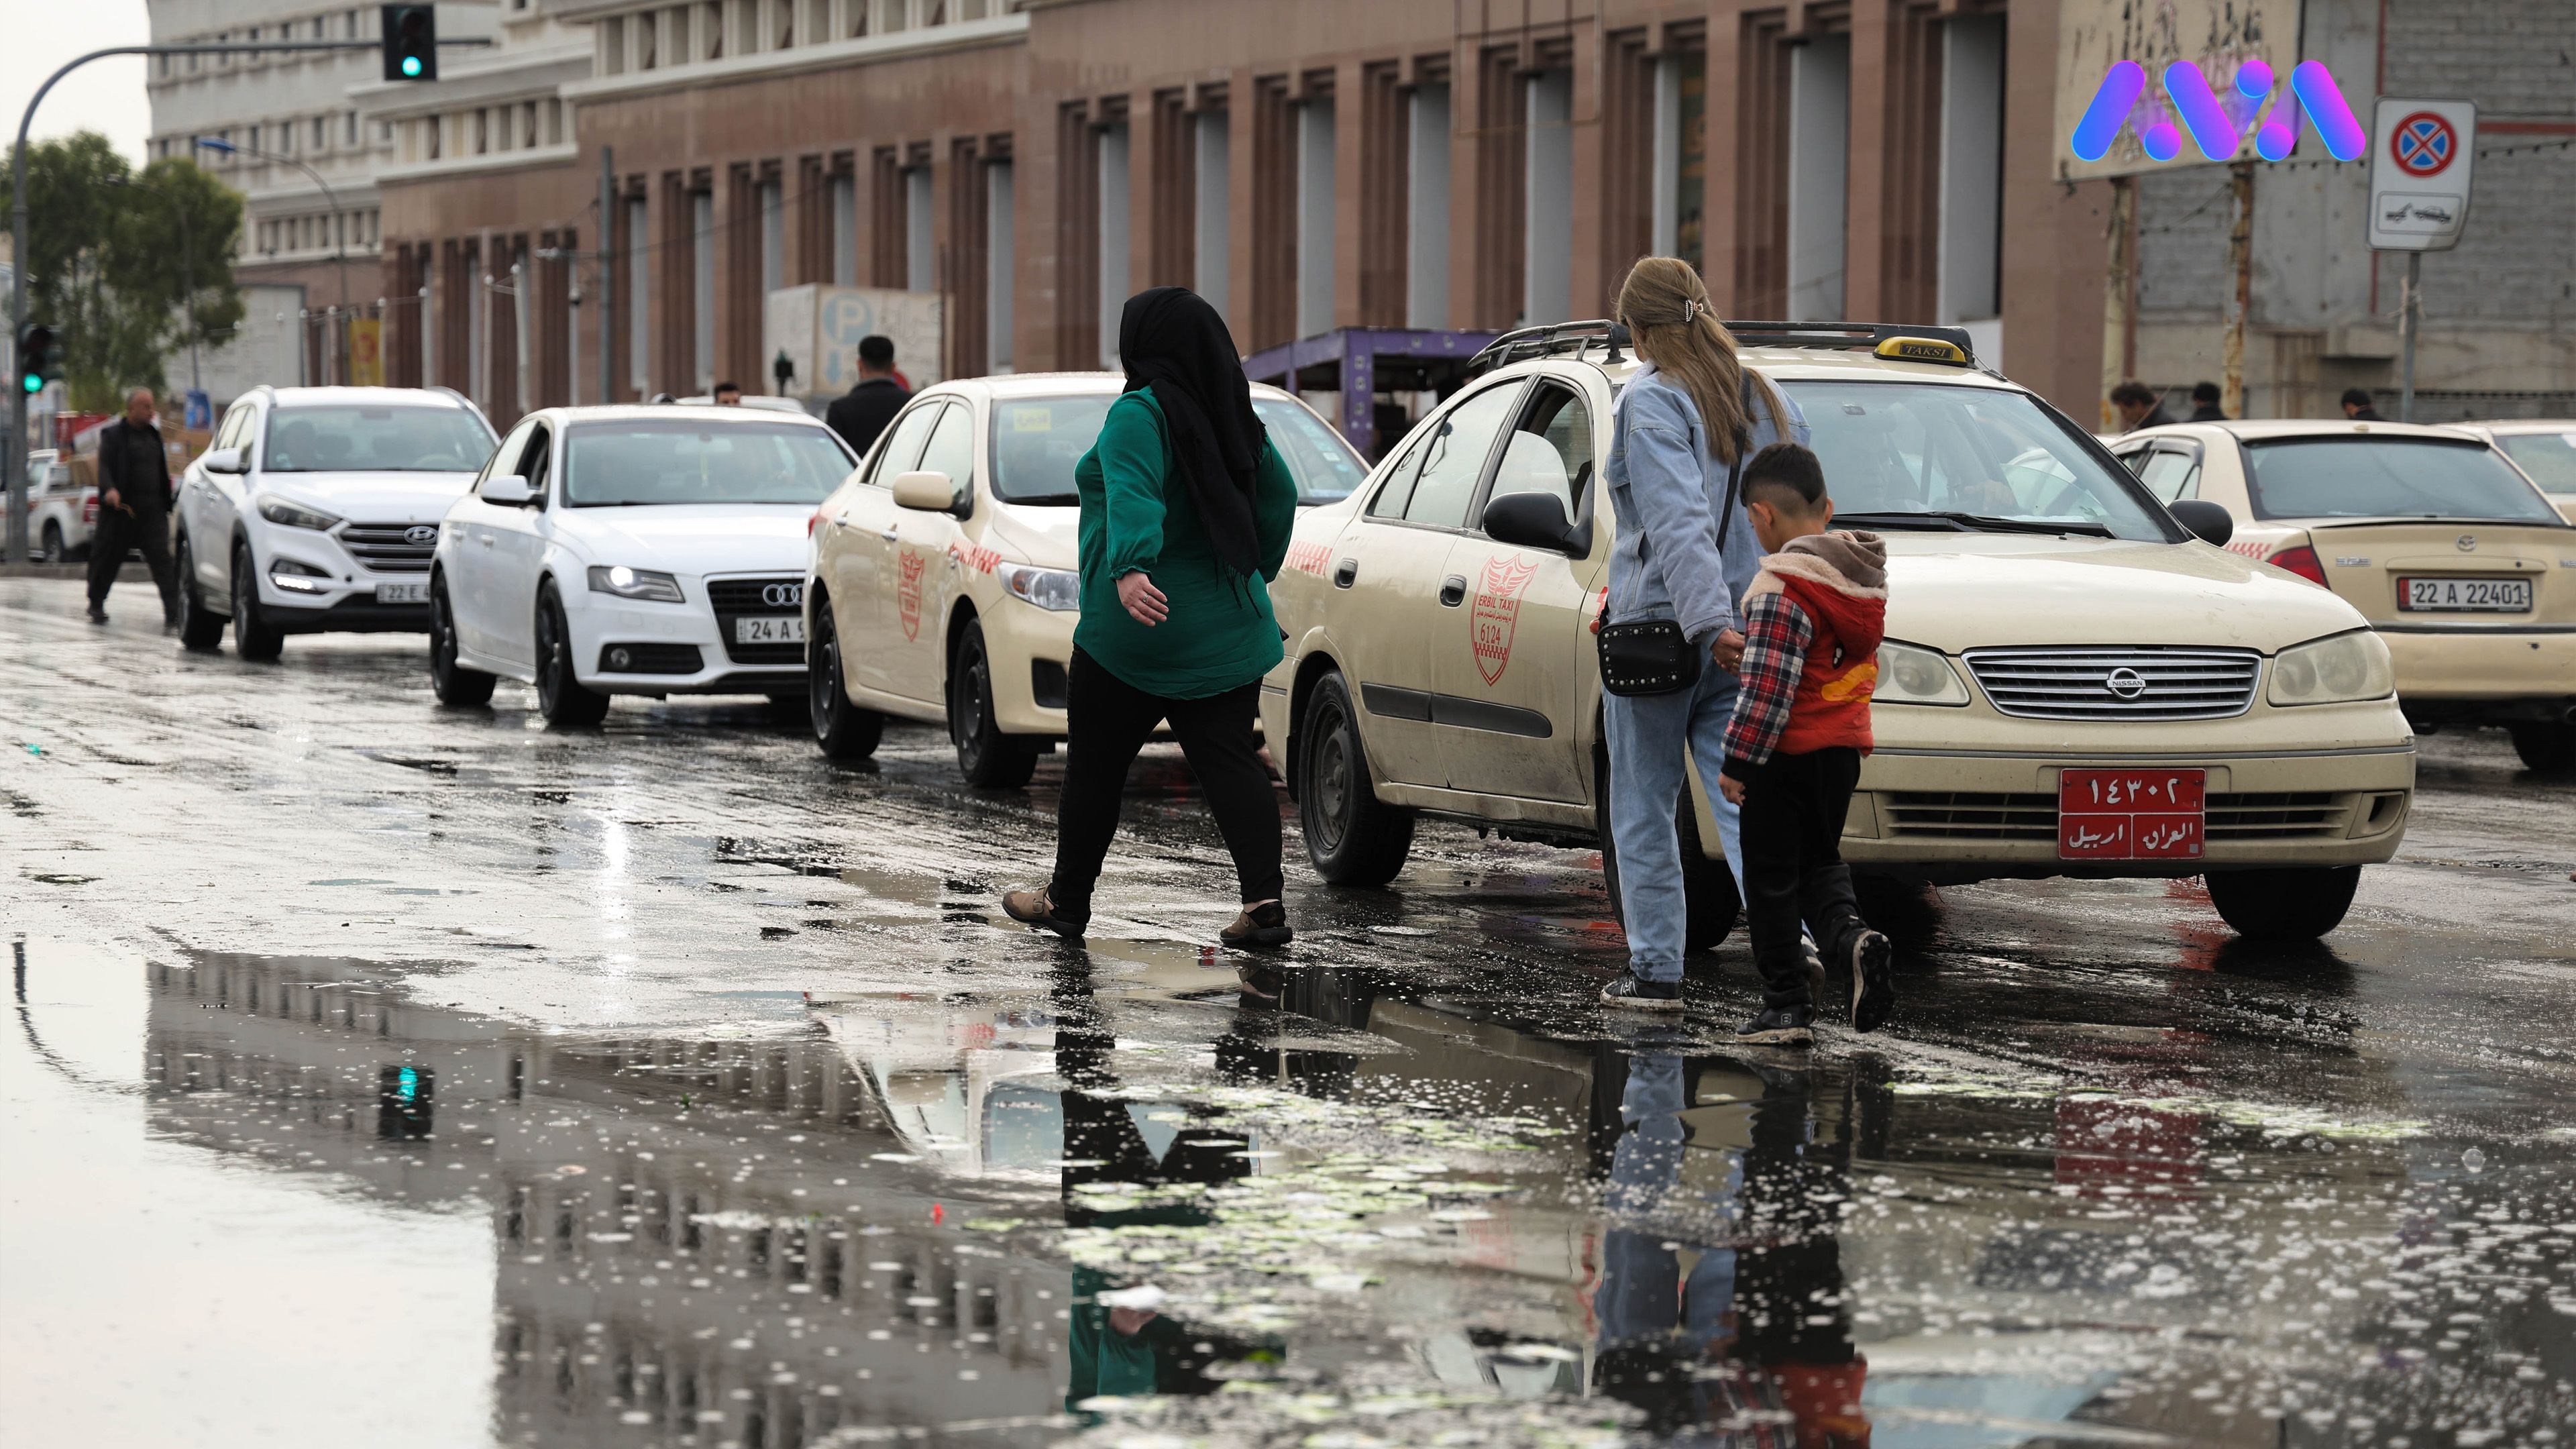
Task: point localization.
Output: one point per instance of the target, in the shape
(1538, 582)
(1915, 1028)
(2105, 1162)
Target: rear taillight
(89, 509)
(2301, 560)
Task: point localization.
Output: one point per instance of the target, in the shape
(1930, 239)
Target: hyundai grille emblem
(421, 535)
(2468, 543)
(783, 596)
(2125, 682)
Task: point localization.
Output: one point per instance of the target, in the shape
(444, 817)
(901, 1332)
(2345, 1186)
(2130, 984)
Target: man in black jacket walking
(863, 412)
(133, 506)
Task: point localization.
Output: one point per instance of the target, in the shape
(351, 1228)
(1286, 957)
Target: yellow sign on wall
(367, 352)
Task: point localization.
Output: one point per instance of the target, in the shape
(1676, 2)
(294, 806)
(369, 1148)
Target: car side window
(903, 448)
(506, 456)
(2170, 475)
(1454, 459)
(1550, 452)
(2135, 459)
(537, 459)
(230, 433)
(951, 449)
(1398, 487)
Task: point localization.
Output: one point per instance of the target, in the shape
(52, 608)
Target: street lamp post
(339, 233)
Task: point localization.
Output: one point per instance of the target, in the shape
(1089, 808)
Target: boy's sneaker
(1873, 986)
(1779, 1026)
(1032, 908)
(1264, 926)
(1641, 995)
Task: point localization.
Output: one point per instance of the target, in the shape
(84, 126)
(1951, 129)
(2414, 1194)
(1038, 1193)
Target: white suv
(316, 510)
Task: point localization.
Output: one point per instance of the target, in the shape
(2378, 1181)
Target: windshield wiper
(1958, 522)
(1049, 500)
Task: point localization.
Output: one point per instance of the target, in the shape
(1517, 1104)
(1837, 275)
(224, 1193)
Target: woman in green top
(1186, 510)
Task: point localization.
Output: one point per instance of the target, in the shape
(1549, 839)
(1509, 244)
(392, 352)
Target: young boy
(1812, 623)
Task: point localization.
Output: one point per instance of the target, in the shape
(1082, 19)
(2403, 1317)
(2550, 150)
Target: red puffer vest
(1840, 579)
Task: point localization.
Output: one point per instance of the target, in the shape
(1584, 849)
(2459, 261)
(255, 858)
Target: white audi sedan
(632, 550)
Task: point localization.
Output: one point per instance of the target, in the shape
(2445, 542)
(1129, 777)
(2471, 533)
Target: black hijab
(1173, 342)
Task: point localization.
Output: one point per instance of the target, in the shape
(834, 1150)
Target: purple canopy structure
(1360, 362)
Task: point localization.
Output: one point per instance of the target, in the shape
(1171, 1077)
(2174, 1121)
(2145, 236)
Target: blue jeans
(1653, 738)
(1643, 1296)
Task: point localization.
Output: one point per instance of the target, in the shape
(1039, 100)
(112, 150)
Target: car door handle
(890, 534)
(1346, 573)
(1453, 591)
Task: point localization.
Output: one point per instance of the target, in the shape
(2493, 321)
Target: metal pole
(2240, 267)
(607, 276)
(2407, 320)
(2115, 297)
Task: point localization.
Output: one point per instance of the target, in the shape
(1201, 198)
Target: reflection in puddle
(1250, 1204)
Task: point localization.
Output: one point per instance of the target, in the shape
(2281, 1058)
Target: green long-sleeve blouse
(1221, 634)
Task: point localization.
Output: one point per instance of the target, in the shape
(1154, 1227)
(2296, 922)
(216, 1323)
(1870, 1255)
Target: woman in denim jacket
(1680, 426)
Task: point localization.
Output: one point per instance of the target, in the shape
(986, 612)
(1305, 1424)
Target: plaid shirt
(1777, 633)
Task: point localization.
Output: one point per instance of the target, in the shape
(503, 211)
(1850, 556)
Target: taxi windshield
(665, 461)
(2353, 476)
(1931, 455)
(371, 438)
(1037, 440)
(2550, 458)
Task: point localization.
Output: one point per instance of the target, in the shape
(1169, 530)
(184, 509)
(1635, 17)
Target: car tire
(457, 687)
(254, 638)
(1708, 887)
(561, 697)
(1352, 837)
(2286, 903)
(199, 628)
(843, 730)
(54, 551)
(990, 759)
(2546, 749)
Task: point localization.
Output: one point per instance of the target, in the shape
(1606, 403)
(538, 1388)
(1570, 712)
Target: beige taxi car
(2073, 683)
(2453, 555)
(942, 584)
(2544, 448)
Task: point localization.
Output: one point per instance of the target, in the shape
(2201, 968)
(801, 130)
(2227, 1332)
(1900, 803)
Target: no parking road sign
(2421, 156)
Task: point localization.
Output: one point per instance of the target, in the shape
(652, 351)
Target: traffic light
(40, 357)
(411, 42)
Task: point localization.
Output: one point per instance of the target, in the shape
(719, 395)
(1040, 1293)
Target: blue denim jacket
(1670, 557)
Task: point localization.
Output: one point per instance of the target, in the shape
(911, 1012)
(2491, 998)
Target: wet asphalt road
(390, 1075)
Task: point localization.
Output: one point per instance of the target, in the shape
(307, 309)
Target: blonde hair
(1672, 324)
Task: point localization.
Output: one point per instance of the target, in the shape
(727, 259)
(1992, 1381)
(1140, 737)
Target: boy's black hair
(2354, 397)
(1787, 468)
(877, 351)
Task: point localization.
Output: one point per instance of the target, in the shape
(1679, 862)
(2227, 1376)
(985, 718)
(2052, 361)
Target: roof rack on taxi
(1581, 337)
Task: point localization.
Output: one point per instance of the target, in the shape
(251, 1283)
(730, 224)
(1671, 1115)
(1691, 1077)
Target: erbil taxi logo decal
(1497, 614)
(1309, 558)
(907, 592)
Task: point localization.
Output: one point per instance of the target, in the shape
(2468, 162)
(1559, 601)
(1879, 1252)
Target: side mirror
(928, 492)
(507, 490)
(226, 460)
(2210, 521)
(1533, 520)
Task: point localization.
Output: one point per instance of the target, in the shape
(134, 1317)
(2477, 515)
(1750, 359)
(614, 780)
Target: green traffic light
(32, 383)
(411, 65)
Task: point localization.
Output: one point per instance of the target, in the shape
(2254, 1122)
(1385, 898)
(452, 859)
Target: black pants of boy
(1107, 720)
(145, 528)
(1793, 865)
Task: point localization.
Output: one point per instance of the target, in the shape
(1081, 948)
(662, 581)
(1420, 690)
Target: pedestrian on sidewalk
(1186, 510)
(1679, 430)
(133, 507)
(1813, 620)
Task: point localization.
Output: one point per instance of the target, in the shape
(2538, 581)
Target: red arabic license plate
(2141, 814)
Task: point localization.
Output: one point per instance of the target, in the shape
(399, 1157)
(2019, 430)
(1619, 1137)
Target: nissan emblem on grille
(783, 596)
(2125, 682)
(421, 534)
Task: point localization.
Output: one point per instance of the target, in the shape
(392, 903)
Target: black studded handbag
(1652, 656)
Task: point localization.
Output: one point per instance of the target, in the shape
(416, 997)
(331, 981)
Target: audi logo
(783, 596)
(2125, 682)
(421, 535)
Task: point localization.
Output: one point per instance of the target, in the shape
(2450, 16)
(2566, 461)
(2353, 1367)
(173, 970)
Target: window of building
(482, 130)
(1426, 221)
(773, 236)
(528, 124)
(1212, 236)
(845, 229)
(647, 42)
(612, 45)
(999, 257)
(1819, 161)
(1547, 273)
(920, 270)
(351, 129)
(1315, 226)
(1114, 207)
(637, 259)
(715, 28)
(702, 243)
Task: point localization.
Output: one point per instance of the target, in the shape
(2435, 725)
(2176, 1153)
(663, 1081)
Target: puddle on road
(1150, 1199)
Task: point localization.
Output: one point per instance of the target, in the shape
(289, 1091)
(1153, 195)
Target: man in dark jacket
(863, 412)
(2204, 404)
(133, 506)
(2356, 406)
(2139, 406)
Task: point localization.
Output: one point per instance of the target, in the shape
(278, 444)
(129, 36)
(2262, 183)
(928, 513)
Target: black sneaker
(1873, 988)
(1261, 927)
(1641, 995)
(97, 615)
(1032, 908)
(1779, 1026)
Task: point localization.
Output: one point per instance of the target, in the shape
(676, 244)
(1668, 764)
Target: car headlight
(2339, 670)
(295, 515)
(1055, 589)
(1911, 675)
(628, 583)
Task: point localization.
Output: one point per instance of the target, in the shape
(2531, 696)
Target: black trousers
(147, 529)
(1107, 720)
(1793, 865)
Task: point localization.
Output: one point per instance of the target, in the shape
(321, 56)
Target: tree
(110, 257)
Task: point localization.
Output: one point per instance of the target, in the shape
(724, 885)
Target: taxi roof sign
(1923, 349)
